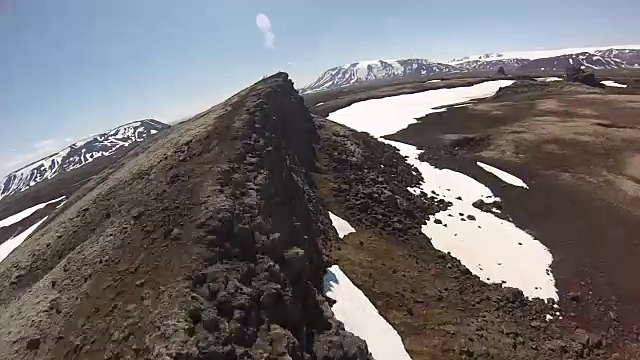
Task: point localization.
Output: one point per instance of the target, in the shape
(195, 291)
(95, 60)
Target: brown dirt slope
(204, 243)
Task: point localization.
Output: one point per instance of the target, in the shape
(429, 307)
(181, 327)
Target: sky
(72, 68)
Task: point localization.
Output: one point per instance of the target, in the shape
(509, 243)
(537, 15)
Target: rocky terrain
(224, 257)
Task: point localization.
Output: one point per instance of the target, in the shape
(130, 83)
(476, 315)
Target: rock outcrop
(578, 74)
(261, 295)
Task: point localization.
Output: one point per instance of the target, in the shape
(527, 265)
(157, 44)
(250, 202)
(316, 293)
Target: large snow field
(494, 249)
(385, 116)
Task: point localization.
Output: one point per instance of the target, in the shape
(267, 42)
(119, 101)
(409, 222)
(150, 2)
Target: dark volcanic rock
(578, 74)
(268, 245)
(494, 208)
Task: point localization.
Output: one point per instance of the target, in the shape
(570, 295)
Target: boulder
(579, 74)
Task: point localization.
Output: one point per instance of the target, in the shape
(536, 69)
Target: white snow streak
(493, 249)
(25, 213)
(360, 317)
(503, 175)
(613, 84)
(551, 78)
(342, 227)
(7, 247)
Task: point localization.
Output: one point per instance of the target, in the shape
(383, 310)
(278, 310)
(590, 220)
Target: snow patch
(503, 175)
(385, 116)
(550, 78)
(342, 227)
(433, 81)
(494, 249)
(8, 246)
(25, 213)
(613, 84)
(361, 317)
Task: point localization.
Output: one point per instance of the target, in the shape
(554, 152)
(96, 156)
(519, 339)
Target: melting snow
(613, 84)
(7, 247)
(25, 213)
(432, 81)
(385, 116)
(342, 227)
(551, 78)
(360, 317)
(494, 249)
(503, 175)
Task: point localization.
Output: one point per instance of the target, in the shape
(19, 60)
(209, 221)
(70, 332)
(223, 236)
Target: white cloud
(264, 25)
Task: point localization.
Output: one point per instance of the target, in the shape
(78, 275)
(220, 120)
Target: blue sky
(71, 68)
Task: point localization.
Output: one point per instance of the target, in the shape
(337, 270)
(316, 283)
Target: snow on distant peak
(79, 154)
(364, 71)
(537, 54)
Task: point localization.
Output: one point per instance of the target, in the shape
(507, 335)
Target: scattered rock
(33, 343)
(509, 328)
(581, 337)
(574, 296)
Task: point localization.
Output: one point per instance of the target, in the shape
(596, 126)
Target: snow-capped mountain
(628, 56)
(537, 54)
(364, 71)
(560, 63)
(493, 65)
(604, 57)
(79, 154)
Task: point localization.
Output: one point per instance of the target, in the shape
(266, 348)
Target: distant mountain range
(79, 154)
(382, 69)
(609, 57)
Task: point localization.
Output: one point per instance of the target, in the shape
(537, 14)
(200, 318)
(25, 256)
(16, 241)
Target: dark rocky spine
(261, 294)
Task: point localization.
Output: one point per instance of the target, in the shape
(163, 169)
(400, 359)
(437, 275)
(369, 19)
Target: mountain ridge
(79, 154)
(605, 57)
